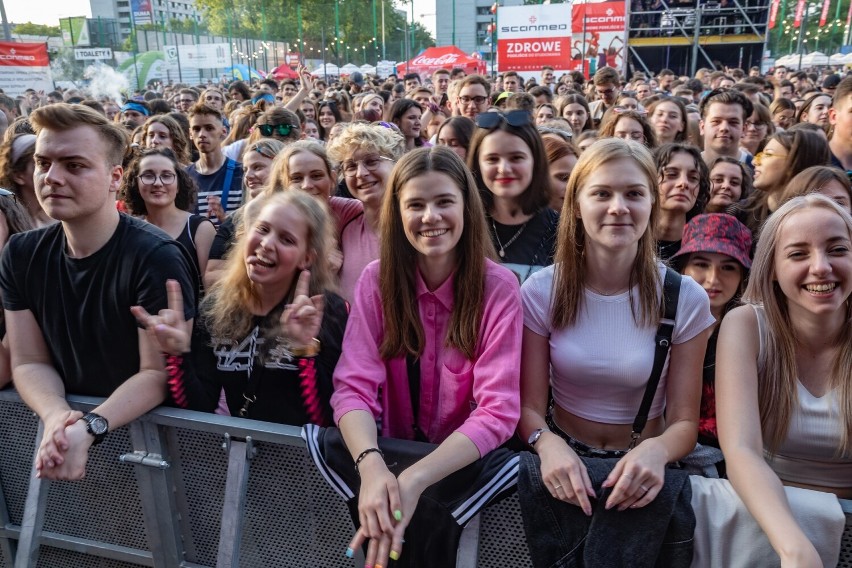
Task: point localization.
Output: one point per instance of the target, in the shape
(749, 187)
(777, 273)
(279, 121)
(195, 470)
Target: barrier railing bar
(8, 546)
(35, 508)
(234, 505)
(468, 552)
(91, 547)
(180, 494)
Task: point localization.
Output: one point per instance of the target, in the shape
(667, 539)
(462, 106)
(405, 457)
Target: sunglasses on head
(265, 150)
(515, 118)
(280, 129)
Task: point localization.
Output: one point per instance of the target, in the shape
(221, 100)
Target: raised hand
(168, 328)
(305, 78)
(302, 319)
(215, 209)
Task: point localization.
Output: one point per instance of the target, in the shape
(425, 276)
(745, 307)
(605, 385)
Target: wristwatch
(536, 435)
(97, 426)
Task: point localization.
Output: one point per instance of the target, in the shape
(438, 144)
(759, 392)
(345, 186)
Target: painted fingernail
(350, 553)
(397, 515)
(394, 555)
(377, 566)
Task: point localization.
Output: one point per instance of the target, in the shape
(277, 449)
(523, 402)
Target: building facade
(144, 12)
(470, 20)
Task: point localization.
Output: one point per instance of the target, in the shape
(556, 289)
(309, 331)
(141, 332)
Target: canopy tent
(242, 72)
(349, 68)
(326, 69)
(368, 69)
(813, 59)
(446, 57)
(283, 72)
(837, 59)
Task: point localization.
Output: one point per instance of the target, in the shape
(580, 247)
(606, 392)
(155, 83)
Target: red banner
(800, 9)
(773, 13)
(24, 66)
(824, 16)
(849, 15)
(599, 31)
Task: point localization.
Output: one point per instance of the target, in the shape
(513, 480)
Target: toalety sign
(94, 53)
(530, 37)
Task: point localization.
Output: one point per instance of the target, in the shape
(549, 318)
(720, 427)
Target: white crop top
(600, 366)
(808, 453)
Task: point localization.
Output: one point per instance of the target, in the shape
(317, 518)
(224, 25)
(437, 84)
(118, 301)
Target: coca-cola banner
(24, 66)
(447, 57)
(530, 37)
(599, 29)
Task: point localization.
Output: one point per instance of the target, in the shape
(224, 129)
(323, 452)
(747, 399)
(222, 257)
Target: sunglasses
(516, 118)
(280, 129)
(265, 150)
(565, 135)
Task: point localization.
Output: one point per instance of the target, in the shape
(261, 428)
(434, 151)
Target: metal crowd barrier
(182, 489)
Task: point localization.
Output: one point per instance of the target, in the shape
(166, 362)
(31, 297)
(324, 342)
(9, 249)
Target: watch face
(98, 426)
(534, 437)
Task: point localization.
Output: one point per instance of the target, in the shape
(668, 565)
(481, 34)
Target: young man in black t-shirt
(68, 289)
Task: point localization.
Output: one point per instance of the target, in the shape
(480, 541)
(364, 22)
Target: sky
(50, 11)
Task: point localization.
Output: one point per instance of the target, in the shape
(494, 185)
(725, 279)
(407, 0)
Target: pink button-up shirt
(479, 398)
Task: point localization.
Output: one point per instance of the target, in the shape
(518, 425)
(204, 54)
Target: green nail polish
(397, 515)
(394, 555)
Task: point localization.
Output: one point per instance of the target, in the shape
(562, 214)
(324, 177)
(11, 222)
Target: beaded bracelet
(364, 454)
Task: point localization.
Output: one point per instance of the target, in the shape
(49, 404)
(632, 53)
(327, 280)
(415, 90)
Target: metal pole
(384, 52)
(7, 30)
(375, 34)
(337, 33)
(695, 39)
(454, 22)
(802, 25)
(324, 70)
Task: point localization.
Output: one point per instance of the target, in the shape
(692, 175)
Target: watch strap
(91, 417)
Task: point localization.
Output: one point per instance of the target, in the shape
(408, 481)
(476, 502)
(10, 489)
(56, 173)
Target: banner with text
(599, 35)
(201, 56)
(530, 37)
(24, 66)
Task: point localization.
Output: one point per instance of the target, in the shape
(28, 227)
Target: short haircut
(540, 90)
(726, 97)
(411, 76)
(605, 76)
(191, 92)
(61, 117)
(844, 89)
(369, 138)
(475, 80)
(201, 109)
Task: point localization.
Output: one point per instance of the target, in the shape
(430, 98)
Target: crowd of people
(641, 284)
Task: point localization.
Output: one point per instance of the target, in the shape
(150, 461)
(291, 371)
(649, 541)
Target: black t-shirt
(262, 365)
(214, 184)
(533, 246)
(224, 239)
(82, 305)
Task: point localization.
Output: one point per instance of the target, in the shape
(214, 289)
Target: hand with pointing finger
(168, 328)
(302, 319)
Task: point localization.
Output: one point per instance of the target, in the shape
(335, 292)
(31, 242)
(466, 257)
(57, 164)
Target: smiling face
(157, 182)
(614, 205)
(769, 168)
(722, 128)
(432, 209)
(257, 168)
(369, 176)
(506, 164)
(308, 172)
(726, 184)
(813, 262)
(409, 123)
(679, 180)
(719, 275)
(326, 117)
(72, 179)
(277, 246)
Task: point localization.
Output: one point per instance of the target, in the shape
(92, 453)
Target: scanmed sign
(24, 66)
(530, 37)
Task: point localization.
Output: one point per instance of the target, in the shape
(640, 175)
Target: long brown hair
(228, 302)
(776, 385)
(570, 276)
(397, 273)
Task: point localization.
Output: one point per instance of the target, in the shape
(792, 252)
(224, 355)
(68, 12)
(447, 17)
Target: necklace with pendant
(502, 251)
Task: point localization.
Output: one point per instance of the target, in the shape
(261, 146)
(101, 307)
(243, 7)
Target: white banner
(94, 53)
(530, 37)
(203, 56)
(24, 66)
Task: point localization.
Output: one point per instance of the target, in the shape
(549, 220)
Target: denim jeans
(560, 535)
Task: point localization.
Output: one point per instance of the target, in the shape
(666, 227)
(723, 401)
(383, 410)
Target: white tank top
(807, 454)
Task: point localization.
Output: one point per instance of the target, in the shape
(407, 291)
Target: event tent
(446, 57)
(283, 72)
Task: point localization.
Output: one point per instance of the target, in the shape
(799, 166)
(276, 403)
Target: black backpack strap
(663, 341)
(413, 367)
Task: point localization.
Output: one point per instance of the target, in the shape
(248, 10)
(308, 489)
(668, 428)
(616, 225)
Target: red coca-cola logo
(443, 60)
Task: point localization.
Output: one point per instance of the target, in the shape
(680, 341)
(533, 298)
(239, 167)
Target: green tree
(784, 38)
(37, 29)
(356, 41)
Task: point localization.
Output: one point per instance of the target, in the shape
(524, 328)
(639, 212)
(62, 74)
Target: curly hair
(369, 138)
(180, 142)
(129, 191)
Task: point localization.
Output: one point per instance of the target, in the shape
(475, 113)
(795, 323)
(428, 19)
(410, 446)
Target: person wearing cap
(714, 253)
(134, 114)
(356, 83)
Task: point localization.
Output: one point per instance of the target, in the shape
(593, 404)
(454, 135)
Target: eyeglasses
(753, 124)
(186, 101)
(6, 193)
(516, 118)
(760, 156)
(477, 100)
(265, 150)
(370, 163)
(280, 129)
(149, 178)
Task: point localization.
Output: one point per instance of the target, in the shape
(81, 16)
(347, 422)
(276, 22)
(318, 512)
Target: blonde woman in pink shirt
(436, 313)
